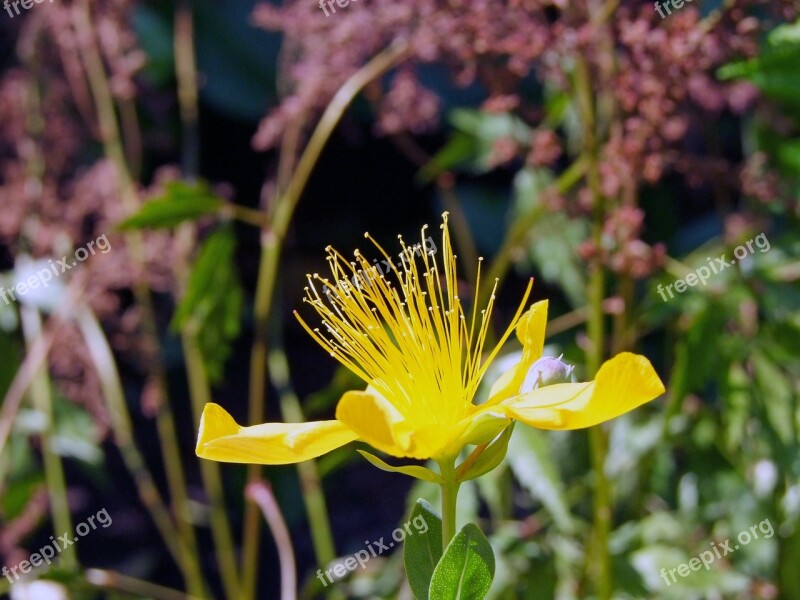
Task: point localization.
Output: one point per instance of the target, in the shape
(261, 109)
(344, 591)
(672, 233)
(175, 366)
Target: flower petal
(376, 422)
(222, 439)
(532, 326)
(622, 383)
(530, 332)
(505, 386)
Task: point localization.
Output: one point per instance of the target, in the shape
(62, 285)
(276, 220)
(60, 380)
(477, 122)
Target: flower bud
(546, 371)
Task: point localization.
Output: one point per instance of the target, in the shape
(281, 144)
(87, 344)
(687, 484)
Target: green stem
(247, 215)
(41, 389)
(113, 581)
(42, 398)
(199, 386)
(598, 443)
(598, 440)
(449, 500)
(120, 421)
(460, 227)
(313, 496)
(273, 234)
(200, 393)
(521, 228)
(34, 358)
(114, 151)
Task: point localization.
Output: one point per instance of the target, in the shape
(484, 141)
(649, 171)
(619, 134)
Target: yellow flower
(404, 330)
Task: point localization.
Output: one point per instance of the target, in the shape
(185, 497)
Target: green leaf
(789, 154)
(491, 456)
(459, 149)
(76, 435)
(213, 301)
(774, 71)
(554, 237)
(529, 183)
(180, 202)
(422, 552)
(531, 462)
(411, 470)
(776, 390)
(489, 127)
(466, 569)
(471, 143)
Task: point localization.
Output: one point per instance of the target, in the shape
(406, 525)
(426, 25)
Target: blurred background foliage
(589, 145)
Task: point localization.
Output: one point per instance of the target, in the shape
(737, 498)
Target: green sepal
(422, 552)
(415, 471)
(491, 456)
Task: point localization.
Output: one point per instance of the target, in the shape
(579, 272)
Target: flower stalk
(449, 491)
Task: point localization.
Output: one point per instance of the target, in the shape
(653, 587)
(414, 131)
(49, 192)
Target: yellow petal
(222, 439)
(530, 332)
(531, 327)
(507, 385)
(376, 421)
(622, 383)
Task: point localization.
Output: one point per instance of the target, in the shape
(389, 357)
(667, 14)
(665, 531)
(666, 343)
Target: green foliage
(487, 459)
(411, 470)
(553, 239)
(212, 304)
(775, 69)
(180, 202)
(422, 551)
(466, 569)
(472, 142)
(533, 465)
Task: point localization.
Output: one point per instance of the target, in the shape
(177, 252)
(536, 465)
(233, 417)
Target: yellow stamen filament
(405, 330)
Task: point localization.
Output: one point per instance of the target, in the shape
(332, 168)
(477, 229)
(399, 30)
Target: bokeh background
(591, 145)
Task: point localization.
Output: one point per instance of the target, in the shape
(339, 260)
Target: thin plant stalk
(200, 393)
(261, 494)
(199, 386)
(113, 148)
(313, 496)
(42, 400)
(279, 217)
(103, 360)
(449, 491)
(600, 557)
(521, 227)
(461, 229)
(117, 582)
(34, 358)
